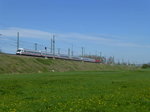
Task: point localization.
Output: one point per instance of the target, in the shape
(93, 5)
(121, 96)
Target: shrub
(145, 66)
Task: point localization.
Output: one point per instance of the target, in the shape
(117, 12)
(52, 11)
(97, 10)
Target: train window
(18, 50)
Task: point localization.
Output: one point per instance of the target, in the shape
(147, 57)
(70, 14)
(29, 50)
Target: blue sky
(117, 28)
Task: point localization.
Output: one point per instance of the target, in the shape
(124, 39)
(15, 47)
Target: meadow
(105, 91)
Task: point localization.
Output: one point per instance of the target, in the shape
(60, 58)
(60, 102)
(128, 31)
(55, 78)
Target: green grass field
(76, 92)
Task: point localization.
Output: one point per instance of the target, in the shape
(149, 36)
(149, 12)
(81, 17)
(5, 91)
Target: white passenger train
(22, 51)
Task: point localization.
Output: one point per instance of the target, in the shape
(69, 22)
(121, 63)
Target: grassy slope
(76, 92)
(22, 64)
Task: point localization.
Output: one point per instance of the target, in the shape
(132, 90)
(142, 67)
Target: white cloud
(12, 32)
(31, 33)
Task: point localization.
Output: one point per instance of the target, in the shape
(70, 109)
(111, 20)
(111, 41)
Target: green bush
(145, 66)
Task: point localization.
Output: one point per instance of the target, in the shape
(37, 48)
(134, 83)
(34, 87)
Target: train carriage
(22, 51)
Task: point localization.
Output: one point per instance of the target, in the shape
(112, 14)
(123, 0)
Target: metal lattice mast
(18, 40)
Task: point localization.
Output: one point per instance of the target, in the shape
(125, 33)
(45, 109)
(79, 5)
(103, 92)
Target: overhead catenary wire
(74, 49)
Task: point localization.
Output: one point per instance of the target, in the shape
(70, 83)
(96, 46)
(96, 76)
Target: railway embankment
(25, 64)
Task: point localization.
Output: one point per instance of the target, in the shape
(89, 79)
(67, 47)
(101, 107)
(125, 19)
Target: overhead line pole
(69, 52)
(100, 54)
(17, 40)
(0, 48)
(53, 46)
(72, 51)
(35, 46)
(82, 51)
(58, 51)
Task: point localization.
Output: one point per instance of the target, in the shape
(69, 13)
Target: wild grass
(24, 64)
(107, 91)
